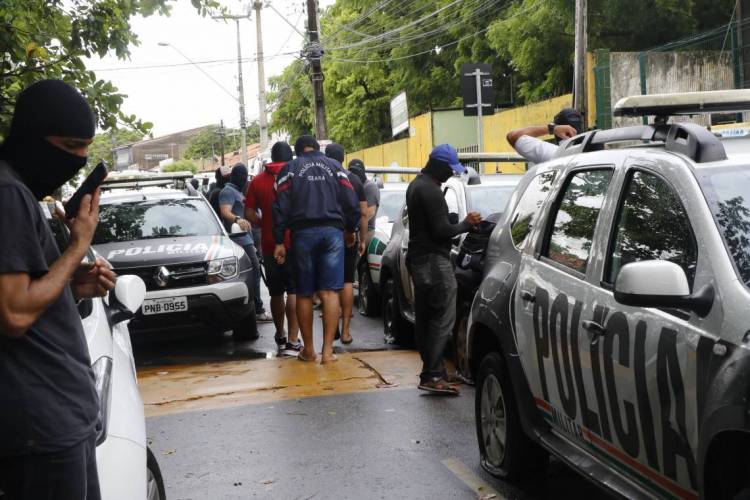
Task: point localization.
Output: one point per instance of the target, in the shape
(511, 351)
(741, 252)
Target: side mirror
(453, 218)
(128, 294)
(236, 231)
(660, 283)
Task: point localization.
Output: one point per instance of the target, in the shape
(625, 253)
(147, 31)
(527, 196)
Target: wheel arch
(726, 462)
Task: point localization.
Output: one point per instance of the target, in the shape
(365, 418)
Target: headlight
(102, 380)
(222, 269)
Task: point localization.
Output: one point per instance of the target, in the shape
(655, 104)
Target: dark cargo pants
(435, 310)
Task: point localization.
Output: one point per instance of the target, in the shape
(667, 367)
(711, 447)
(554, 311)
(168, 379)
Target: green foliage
(50, 39)
(181, 166)
(528, 42)
(207, 143)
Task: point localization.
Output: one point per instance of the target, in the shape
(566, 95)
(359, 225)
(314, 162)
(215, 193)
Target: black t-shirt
(429, 228)
(47, 396)
(359, 190)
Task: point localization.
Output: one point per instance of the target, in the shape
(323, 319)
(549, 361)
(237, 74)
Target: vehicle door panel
(406, 282)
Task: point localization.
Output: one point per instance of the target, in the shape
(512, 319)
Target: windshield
(488, 199)
(138, 220)
(390, 204)
(728, 193)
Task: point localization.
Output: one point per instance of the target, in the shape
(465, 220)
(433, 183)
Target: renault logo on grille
(162, 276)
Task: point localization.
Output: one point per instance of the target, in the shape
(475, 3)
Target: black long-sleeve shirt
(430, 231)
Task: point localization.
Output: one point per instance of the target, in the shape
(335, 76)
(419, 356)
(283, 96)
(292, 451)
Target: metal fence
(717, 59)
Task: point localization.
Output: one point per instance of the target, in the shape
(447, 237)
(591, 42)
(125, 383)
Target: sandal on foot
(438, 386)
(347, 342)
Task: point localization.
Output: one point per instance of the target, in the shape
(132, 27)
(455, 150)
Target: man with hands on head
(526, 142)
(50, 409)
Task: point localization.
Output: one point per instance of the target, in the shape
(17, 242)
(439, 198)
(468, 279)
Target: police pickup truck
(612, 327)
(197, 278)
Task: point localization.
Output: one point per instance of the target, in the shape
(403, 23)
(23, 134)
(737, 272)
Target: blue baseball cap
(447, 154)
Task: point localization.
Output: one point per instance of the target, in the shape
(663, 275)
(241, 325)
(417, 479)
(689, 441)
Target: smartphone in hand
(92, 181)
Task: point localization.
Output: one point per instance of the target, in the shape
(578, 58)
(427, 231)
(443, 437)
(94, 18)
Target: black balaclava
(336, 152)
(238, 177)
(47, 108)
(357, 167)
(195, 183)
(281, 152)
(220, 182)
(569, 116)
(440, 170)
(305, 141)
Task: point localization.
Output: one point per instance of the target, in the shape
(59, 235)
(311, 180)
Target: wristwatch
(551, 128)
(237, 218)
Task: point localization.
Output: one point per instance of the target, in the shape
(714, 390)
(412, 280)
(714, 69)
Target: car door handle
(527, 296)
(594, 328)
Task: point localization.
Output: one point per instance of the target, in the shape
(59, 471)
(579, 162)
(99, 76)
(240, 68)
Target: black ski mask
(440, 170)
(238, 177)
(47, 108)
(358, 168)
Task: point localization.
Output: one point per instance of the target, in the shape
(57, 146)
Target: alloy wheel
(493, 421)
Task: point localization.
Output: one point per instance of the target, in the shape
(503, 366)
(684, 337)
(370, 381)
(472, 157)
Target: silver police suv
(612, 326)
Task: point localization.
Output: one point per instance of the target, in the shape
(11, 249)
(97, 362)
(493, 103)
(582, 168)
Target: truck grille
(179, 275)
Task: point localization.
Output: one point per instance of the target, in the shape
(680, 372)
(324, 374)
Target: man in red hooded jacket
(259, 211)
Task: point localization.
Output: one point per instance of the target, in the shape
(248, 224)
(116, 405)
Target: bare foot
(324, 360)
(307, 357)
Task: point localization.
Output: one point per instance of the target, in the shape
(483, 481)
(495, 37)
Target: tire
(246, 329)
(505, 450)
(368, 305)
(396, 329)
(155, 482)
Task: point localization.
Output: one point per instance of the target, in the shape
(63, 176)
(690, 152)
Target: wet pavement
(231, 421)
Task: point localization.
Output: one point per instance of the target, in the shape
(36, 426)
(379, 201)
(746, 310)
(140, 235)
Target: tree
(101, 148)
(207, 143)
(49, 39)
(181, 166)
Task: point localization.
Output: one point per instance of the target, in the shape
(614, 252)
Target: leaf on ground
(169, 452)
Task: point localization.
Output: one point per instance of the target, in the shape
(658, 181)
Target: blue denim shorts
(318, 259)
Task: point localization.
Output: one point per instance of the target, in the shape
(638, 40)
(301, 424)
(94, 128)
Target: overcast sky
(180, 97)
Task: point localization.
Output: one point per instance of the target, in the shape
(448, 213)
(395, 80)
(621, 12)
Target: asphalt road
(232, 422)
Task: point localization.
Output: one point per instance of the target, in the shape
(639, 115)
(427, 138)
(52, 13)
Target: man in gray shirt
(372, 194)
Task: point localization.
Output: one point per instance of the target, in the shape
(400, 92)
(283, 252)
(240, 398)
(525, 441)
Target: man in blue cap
(428, 259)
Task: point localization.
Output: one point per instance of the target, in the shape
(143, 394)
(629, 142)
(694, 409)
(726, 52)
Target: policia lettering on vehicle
(49, 409)
(428, 259)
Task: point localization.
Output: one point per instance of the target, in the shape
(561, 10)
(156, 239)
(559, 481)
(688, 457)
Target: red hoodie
(260, 196)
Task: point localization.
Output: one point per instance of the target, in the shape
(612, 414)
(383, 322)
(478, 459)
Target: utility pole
(222, 133)
(240, 88)
(314, 53)
(262, 120)
(579, 85)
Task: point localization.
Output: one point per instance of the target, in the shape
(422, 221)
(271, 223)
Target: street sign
(399, 114)
(469, 89)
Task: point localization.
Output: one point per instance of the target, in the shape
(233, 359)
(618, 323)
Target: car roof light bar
(684, 103)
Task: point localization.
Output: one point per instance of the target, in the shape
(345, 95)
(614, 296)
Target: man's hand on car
(473, 218)
(244, 224)
(279, 254)
(564, 131)
(93, 280)
(350, 239)
(83, 226)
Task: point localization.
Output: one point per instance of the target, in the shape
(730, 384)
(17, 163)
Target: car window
(147, 219)
(451, 199)
(652, 225)
(390, 204)
(570, 240)
(488, 199)
(728, 193)
(528, 206)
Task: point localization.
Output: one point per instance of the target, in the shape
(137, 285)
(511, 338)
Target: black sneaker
(290, 349)
(280, 340)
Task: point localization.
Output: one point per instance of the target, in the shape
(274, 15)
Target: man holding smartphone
(50, 410)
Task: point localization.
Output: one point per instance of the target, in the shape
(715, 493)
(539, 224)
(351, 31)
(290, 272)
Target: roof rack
(689, 139)
(684, 103)
(114, 178)
(137, 184)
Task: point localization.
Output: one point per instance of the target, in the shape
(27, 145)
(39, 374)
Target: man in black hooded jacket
(428, 260)
(49, 409)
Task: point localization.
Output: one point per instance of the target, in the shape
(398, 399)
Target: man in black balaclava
(213, 195)
(49, 420)
(566, 124)
(232, 206)
(428, 260)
